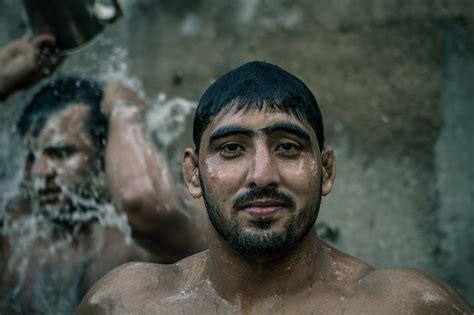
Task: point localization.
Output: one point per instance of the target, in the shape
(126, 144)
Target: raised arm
(141, 182)
(24, 62)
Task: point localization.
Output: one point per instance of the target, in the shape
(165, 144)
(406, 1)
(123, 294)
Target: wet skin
(266, 150)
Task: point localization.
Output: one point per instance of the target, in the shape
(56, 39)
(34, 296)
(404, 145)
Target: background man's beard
(72, 214)
(261, 240)
(80, 203)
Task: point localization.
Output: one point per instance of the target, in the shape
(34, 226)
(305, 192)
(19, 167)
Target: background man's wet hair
(56, 96)
(255, 85)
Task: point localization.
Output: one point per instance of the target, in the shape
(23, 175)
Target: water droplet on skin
(166, 119)
(301, 168)
(313, 165)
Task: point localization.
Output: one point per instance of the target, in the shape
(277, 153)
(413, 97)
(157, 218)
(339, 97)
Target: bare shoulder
(395, 291)
(121, 284)
(410, 291)
(346, 270)
(130, 287)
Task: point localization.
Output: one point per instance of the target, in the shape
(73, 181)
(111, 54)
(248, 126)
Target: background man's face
(260, 172)
(62, 159)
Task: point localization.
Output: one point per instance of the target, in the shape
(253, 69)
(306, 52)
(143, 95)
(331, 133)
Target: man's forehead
(72, 116)
(63, 123)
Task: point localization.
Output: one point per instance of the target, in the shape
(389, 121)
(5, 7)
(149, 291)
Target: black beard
(262, 242)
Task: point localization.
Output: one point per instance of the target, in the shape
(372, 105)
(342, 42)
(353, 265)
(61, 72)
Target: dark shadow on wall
(454, 168)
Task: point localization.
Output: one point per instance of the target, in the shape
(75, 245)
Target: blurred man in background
(90, 169)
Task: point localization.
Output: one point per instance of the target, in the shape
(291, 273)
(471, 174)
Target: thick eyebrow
(288, 128)
(227, 131)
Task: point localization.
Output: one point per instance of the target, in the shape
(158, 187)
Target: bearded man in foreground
(262, 165)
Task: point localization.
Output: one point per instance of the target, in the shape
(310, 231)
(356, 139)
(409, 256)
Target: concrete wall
(394, 80)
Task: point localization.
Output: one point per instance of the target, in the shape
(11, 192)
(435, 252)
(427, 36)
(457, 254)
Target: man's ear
(191, 173)
(328, 161)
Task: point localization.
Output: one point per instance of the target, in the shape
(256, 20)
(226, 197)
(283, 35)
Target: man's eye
(62, 153)
(230, 150)
(288, 148)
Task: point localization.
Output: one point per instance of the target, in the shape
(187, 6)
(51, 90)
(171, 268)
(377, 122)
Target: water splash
(110, 63)
(117, 69)
(166, 120)
(38, 238)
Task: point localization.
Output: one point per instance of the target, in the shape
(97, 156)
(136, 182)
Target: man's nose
(42, 167)
(263, 171)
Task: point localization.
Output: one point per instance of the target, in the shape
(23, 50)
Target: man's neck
(246, 281)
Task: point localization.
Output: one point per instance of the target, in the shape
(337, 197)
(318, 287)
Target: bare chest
(205, 301)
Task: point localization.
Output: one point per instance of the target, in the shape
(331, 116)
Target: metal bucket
(73, 23)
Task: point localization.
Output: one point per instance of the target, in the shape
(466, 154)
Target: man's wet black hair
(255, 85)
(56, 96)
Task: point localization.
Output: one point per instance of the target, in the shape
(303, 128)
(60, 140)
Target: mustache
(258, 194)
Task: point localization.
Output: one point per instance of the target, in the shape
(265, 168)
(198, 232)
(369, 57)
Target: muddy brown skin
(308, 277)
